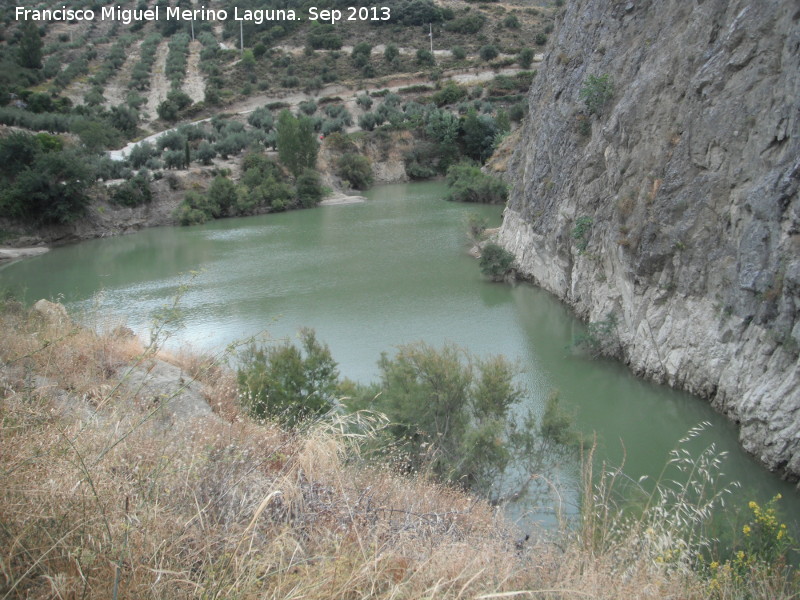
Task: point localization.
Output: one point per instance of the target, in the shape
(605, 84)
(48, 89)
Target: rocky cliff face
(676, 208)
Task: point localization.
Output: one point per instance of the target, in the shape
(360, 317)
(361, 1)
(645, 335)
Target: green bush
(468, 184)
(488, 52)
(469, 24)
(596, 92)
(425, 57)
(449, 94)
(525, 58)
(309, 188)
(496, 262)
(134, 192)
(288, 383)
(355, 170)
(459, 417)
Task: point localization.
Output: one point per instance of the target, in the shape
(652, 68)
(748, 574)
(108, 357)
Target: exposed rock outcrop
(676, 208)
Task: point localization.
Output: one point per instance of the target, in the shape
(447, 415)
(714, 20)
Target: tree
(525, 58)
(309, 188)
(477, 135)
(288, 383)
(297, 143)
(488, 52)
(425, 57)
(29, 51)
(496, 262)
(52, 190)
(221, 195)
(458, 416)
(355, 170)
(391, 53)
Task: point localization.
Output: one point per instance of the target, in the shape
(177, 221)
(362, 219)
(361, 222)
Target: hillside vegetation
(70, 91)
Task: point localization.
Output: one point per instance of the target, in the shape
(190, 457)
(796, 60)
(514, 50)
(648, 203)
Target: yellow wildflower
(752, 505)
(746, 529)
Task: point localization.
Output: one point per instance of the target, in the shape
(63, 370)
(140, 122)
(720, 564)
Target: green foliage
(391, 53)
(596, 92)
(309, 188)
(205, 153)
(469, 24)
(51, 188)
(525, 58)
(134, 192)
(467, 183)
(488, 52)
(459, 53)
(456, 416)
(361, 54)
(221, 196)
(496, 262)
(288, 383)
(581, 231)
(477, 135)
(29, 48)
(297, 143)
(511, 22)
(261, 118)
(355, 170)
(541, 38)
(598, 337)
(425, 57)
(449, 94)
(323, 36)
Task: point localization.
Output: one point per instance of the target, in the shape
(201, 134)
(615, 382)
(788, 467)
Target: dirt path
(117, 89)
(194, 85)
(159, 86)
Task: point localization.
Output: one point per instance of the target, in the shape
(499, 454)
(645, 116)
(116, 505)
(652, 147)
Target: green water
(370, 276)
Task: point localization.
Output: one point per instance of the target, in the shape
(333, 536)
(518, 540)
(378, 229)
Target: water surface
(368, 277)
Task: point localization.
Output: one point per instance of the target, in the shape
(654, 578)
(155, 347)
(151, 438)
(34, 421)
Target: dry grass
(99, 501)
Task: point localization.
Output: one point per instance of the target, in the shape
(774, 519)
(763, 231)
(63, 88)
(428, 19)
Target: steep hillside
(656, 191)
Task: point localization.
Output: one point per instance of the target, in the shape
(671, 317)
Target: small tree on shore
(297, 144)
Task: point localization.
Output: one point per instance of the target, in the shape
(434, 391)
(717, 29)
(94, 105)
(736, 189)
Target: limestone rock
(51, 311)
(689, 177)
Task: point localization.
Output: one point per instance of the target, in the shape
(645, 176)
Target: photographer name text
(174, 13)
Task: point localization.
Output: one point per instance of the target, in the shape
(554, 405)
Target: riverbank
(112, 487)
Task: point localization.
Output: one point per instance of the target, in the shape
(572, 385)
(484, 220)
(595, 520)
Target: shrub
(134, 192)
(458, 417)
(288, 383)
(581, 231)
(511, 22)
(496, 262)
(540, 39)
(309, 188)
(488, 52)
(261, 118)
(308, 107)
(459, 53)
(469, 24)
(355, 170)
(391, 53)
(425, 57)
(205, 153)
(449, 94)
(525, 58)
(468, 184)
(297, 143)
(596, 92)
